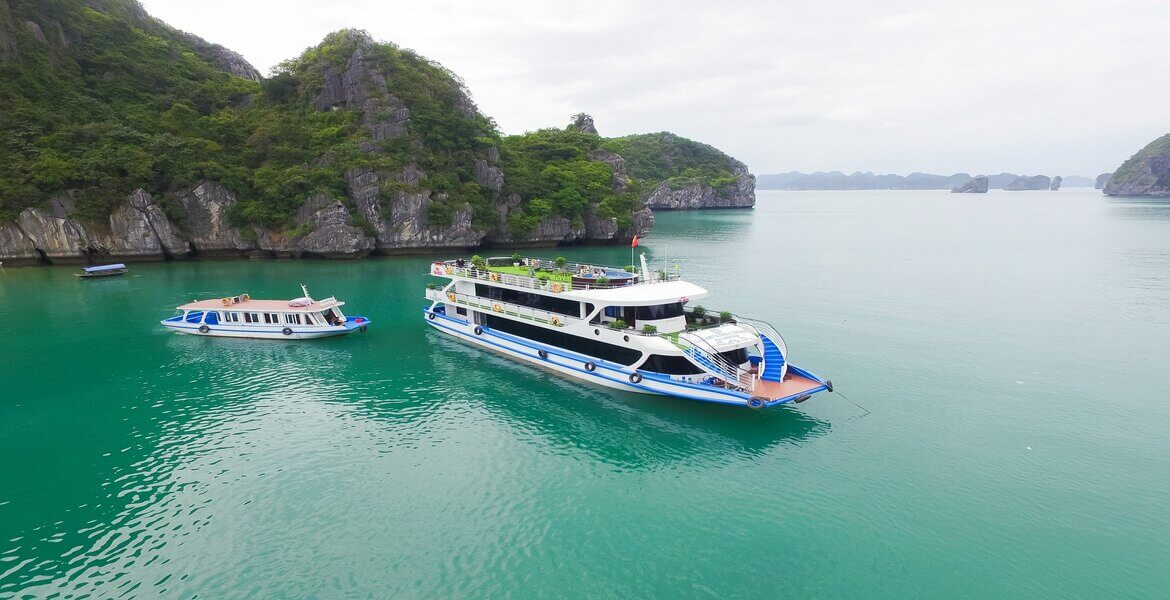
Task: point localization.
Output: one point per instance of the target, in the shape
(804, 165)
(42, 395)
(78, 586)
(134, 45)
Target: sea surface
(1004, 429)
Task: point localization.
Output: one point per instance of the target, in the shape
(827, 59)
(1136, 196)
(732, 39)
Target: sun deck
(261, 305)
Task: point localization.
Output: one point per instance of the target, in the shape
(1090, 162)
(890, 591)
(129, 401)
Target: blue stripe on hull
(673, 387)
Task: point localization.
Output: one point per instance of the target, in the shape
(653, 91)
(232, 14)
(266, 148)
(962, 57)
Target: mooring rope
(861, 416)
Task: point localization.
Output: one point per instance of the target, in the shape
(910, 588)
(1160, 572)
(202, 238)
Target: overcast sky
(1056, 88)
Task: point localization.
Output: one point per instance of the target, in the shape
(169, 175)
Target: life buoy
(589, 366)
(449, 269)
(246, 297)
(431, 315)
(496, 307)
(756, 402)
(543, 354)
(204, 329)
(478, 330)
(557, 288)
(555, 321)
(362, 328)
(286, 331)
(226, 301)
(451, 296)
(494, 276)
(635, 377)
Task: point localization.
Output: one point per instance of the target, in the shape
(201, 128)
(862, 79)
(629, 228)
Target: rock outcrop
(1146, 173)
(206, 226)
(1024, 182)
(1102, 179)
(137, 229)
(740, 194)
(977, 185)
(583, 123)
(1055, 183)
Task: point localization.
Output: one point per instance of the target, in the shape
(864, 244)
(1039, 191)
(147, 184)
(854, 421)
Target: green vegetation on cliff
(100, 99)
(96, 103)
(551, 169)
(664, 156)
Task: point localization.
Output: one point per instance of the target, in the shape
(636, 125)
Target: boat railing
(490, 306)
(549, 283)
(766, 328)
(707, 356)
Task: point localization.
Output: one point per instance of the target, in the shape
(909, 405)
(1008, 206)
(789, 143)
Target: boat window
(251, 318)
(659, 311)
(309, 320)
(461, 311)
(562, 306)
(613, 311)
(231, 317)
(292, 319)
(580, 345)
(670, 365)
(735, 357)
(271, 318)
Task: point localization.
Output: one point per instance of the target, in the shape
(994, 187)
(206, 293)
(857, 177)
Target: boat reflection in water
(625, 430)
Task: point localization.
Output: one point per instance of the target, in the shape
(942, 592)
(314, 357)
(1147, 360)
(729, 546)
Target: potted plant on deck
(516, 259)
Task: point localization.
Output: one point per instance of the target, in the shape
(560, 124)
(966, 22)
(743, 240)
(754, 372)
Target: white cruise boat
(622, 328)
(241, 316)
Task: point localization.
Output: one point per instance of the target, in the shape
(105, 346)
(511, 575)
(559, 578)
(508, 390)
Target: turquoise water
(1011, 347)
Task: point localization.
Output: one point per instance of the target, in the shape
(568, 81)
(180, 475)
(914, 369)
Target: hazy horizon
(1041, 88)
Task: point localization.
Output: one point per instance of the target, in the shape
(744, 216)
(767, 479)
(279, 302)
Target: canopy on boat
(100, 268)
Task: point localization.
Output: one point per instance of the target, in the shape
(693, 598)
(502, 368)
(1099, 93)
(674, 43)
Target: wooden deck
(792, 384)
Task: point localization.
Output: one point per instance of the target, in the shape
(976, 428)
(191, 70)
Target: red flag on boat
(634, 243)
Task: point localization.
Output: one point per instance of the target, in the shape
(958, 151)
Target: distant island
(836, 180)
(1146, 173)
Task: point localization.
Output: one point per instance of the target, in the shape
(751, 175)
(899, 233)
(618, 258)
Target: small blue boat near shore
(102, 271)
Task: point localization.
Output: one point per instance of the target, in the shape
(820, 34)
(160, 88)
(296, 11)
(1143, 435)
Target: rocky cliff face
(977, 185)
(1102, 179)
(1146, 173)
(1056, 181)
(1024, 182)
(740, 194)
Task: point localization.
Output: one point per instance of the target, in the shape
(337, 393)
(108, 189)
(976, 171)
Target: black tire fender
(829, 385)
(478, 330)
(756, 402)
(286, 331)
(801, 399)
(542, 354)
(362, 328)
(635, 377)
(431, 315)
(204, 329)
(589, 366)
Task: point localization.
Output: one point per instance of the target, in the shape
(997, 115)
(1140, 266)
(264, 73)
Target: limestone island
(354, 148)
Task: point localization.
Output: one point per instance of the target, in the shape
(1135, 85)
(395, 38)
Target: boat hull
(266, 333)
(603, 373)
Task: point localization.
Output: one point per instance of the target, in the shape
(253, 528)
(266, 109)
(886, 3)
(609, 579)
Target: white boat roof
(261, 305)
(645, 294)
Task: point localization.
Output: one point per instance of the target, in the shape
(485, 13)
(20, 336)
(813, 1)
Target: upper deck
(586, 282)
(261, 305)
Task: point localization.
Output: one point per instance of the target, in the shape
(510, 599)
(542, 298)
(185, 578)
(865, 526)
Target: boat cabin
(243, 311)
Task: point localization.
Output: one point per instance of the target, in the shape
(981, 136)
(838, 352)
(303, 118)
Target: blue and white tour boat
(624, 328)
(241, 316)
